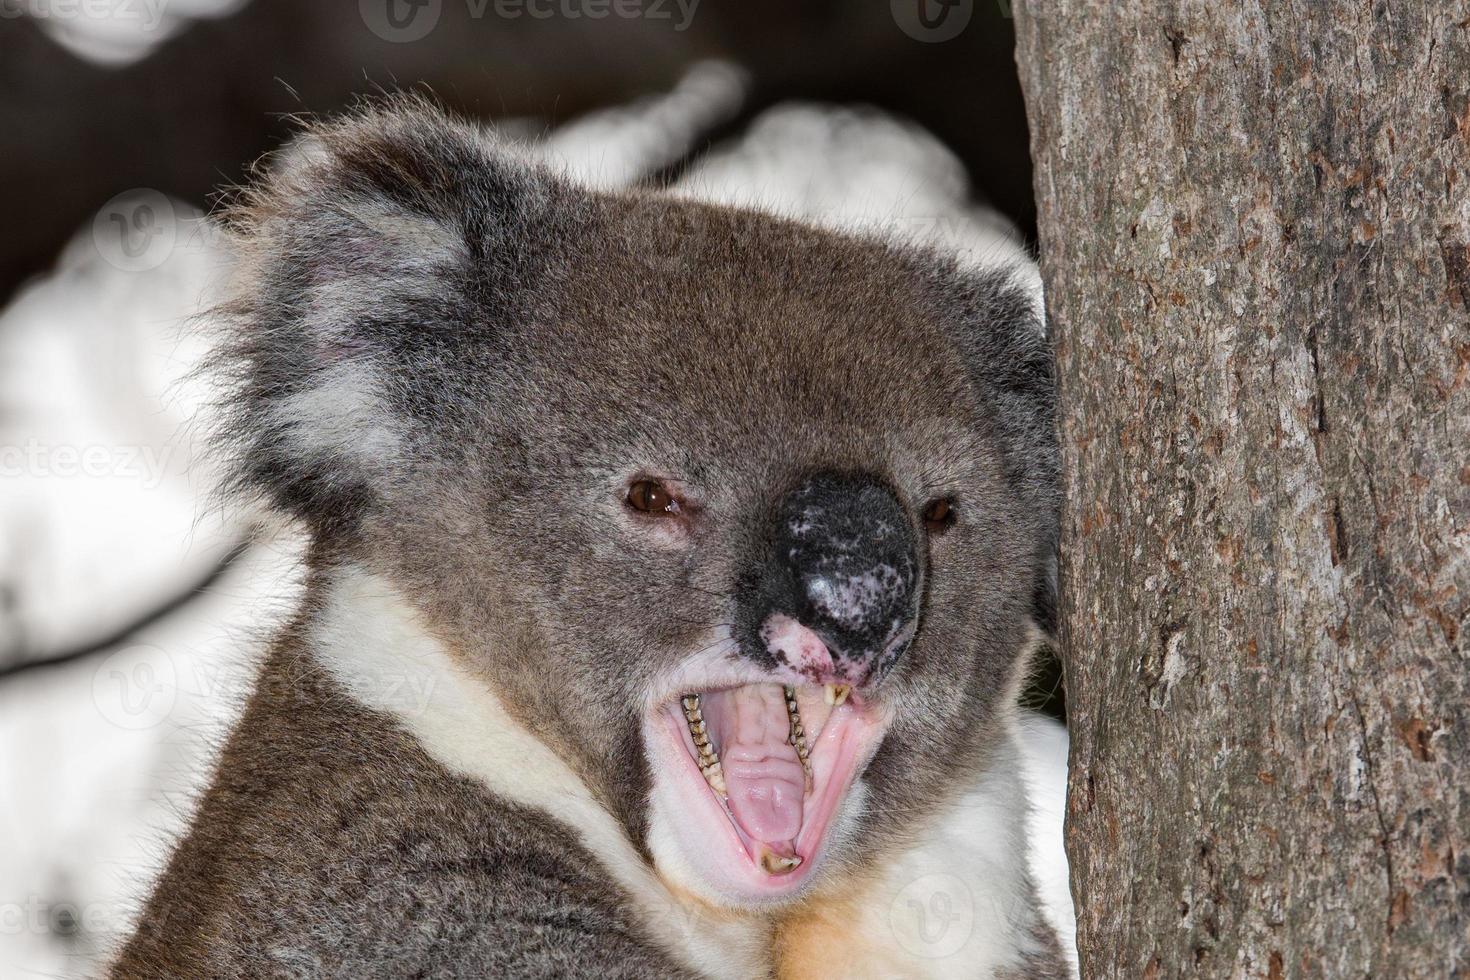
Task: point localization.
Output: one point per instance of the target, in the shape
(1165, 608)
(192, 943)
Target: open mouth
(763, 771)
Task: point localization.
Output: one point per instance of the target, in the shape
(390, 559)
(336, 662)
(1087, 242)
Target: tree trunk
(1255, 236)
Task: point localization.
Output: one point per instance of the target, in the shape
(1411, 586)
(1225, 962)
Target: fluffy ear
(1002, 333)
(371, 255)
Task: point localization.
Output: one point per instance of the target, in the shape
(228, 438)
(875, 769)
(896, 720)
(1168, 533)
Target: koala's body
(673, 570)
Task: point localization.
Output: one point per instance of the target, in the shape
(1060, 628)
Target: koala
(673, 571)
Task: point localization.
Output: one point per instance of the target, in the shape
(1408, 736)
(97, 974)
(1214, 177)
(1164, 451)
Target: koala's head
(748, 520)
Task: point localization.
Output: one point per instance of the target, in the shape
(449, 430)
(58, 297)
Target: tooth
(709, 759)
(829, 694)
(837, 693)
(797, 736)
(715, 776)
(775, 864)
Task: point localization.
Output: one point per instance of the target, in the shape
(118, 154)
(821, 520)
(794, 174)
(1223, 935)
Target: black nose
(841, 559)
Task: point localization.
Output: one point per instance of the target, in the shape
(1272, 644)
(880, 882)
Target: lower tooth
(775, 864)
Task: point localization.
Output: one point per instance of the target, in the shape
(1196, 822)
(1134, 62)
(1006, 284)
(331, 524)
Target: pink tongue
(763, 776)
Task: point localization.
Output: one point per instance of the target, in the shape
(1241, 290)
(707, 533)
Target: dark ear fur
(371, 251)
(1003, 336)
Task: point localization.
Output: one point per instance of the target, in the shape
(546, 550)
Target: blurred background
(132, 599)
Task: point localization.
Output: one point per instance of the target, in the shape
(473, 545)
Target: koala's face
(746, 519)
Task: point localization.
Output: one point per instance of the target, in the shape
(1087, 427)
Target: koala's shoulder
(331, 845)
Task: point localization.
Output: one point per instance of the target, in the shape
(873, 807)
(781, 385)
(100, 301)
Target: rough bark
(1255, 235)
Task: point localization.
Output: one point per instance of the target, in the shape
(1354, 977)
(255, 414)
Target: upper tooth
(835, 694)
(715, 776)
(709, 759)
(797, 735)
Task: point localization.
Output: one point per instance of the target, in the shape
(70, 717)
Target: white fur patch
(956, 906)
(339, 418)
(370, 639)
(953, 906)
(1044, 746)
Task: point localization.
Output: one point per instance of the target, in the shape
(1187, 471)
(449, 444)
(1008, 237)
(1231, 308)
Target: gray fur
(448, 363)
(332, 846)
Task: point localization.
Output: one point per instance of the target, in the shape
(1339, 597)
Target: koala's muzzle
(835, 590)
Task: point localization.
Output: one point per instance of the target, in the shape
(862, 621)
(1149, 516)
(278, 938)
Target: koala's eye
(651, 497)
(938, 515)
